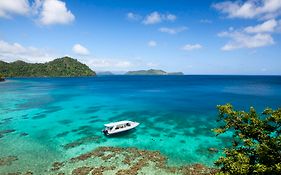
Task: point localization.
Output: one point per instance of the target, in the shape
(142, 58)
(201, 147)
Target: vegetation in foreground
(1, 78)
(256, 141)
(61, 67)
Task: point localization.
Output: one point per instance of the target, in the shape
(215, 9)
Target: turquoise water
(43, 120)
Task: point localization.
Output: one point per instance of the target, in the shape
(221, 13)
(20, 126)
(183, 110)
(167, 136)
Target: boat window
(128, 124)
(109, 128)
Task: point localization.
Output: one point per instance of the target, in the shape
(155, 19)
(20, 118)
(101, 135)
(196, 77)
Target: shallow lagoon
(47, 120)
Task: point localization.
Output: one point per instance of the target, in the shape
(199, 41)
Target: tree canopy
(256, 141)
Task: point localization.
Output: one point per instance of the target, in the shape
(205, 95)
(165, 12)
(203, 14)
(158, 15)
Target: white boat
(117, 127)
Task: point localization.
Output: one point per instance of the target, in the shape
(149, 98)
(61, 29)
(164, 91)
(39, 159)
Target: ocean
(47, 120)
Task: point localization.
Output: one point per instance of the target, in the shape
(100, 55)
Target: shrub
(256, 141)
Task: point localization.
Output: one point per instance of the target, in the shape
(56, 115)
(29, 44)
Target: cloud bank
(46, 12)
(264, 9)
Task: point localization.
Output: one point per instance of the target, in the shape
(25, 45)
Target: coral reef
(3, 132)
(124, 161)
(7, 161)
(81, 141)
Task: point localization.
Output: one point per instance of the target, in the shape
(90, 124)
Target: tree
(256, 141)
(1, 78)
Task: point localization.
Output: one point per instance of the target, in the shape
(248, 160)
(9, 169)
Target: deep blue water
(176, 114)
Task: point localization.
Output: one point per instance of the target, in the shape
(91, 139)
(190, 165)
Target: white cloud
(109, 63)
(117, 64)
(133, 16)
(152, 43)
(264, 9)
(48, 12)
(278, 27)
(10, 7)
(55, 12)
(172, 30)
(36, 6)
(240, 39)
(15, 51)
(156, 17)
(267, 26)
(190, 47)
(251, 36)
(170, 17)
(153, 18)
(80, 50)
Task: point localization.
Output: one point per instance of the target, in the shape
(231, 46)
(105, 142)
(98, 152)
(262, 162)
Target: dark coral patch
(7, 119)
(207, 151)
(101, 169)
(39, 116)
(14, 173)
(182, 141)
(7, 161)
(155, 135)
(28, 173)
(92, 109)
(24, 116)
(81, 141)
(94, 121)
(63, 134)
(84, 130)
(51, 109)
(7, 131)
(57, 166)
(23, 134)
(82, 170)
(65, 122)
(134, 158)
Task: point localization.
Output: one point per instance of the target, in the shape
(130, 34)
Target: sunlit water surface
(43, 120)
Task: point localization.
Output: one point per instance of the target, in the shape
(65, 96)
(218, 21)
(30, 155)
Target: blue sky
(206, 37)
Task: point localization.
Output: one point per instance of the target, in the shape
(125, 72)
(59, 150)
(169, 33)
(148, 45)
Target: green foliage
(61, 67)
(2, 78)
(256, 141)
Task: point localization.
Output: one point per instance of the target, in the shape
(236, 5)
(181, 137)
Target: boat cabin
(120, 126)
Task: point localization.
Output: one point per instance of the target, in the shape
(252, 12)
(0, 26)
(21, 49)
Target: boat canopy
(117, 123)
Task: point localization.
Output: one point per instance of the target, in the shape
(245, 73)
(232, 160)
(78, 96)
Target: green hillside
(61, 67)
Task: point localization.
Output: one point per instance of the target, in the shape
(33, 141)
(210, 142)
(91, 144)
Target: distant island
(104, 73)
(60, 67)
(152, 72)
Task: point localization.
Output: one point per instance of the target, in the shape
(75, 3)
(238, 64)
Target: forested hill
(61, 67)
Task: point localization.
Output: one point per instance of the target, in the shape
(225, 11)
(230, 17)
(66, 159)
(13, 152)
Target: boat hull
(121, 130)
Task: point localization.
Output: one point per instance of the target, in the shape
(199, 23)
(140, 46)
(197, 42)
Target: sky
(191, 36)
